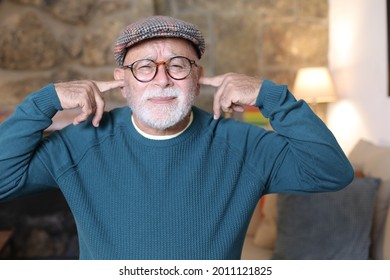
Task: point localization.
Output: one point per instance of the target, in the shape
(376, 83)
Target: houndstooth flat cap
(157, 27)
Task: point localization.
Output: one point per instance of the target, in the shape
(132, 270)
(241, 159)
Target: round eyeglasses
(177, 67)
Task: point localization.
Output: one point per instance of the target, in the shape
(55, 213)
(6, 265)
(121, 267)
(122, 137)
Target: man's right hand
(86, 95)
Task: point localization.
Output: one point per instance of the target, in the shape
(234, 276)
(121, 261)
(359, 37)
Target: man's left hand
(234, 91)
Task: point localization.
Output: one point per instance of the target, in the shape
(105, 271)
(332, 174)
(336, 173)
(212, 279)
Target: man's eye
(176, 67)
(145, 68)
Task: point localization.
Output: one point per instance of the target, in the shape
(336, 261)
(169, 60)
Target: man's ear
(119, 74)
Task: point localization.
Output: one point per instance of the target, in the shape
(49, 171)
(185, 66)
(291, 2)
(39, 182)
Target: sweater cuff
(46, 100)
(269, 97)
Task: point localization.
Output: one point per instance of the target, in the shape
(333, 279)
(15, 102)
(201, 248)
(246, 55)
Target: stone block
(72, 42)
(26, 43)
(72, 11)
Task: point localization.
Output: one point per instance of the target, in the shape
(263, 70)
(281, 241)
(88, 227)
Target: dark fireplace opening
(42, 227)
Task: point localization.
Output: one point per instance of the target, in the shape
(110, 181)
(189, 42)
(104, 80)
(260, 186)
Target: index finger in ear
(215, 81)
(107, 85)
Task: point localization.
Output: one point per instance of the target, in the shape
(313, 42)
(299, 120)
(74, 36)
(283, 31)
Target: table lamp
(314, 85)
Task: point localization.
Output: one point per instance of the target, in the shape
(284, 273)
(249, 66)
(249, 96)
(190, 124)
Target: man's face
(163, 102)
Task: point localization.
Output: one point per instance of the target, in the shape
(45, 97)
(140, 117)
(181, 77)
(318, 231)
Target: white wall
(358, 63)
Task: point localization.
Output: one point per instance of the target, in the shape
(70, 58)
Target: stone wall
(56, 40)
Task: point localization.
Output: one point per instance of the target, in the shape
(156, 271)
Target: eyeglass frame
(158, 63)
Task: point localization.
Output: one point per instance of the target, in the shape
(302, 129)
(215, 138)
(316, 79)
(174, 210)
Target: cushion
(374, 161)
(265, 235)
(379, 220)
(334, 225)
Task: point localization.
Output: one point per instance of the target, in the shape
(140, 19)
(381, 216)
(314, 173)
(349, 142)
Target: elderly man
(160, 178)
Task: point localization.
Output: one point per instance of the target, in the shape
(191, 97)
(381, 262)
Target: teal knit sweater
(190, 197)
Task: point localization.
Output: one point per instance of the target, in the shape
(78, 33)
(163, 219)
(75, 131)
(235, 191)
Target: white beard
(161, 116)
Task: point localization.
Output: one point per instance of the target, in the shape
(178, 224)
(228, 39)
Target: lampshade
(314, 85)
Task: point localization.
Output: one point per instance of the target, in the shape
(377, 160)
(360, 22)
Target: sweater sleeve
(309, 159)
(21, 171)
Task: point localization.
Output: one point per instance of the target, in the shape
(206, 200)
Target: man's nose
(162, 78)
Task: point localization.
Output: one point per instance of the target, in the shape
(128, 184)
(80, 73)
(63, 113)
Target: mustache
(157, 92)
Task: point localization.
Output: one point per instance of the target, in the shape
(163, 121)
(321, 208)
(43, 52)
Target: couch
(353, 223)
